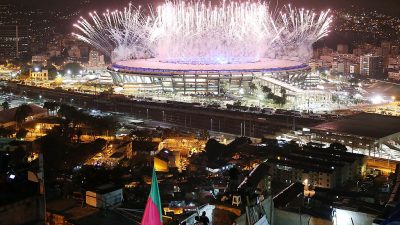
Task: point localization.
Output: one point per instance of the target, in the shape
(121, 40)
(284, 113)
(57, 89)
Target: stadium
(153, 75)
(201, 47)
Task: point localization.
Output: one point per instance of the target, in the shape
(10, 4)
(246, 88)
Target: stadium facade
(152, 75)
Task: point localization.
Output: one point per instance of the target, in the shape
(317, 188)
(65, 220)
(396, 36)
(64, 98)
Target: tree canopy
(22, 112)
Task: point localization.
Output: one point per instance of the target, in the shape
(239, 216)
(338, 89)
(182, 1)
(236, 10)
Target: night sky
(386, 6)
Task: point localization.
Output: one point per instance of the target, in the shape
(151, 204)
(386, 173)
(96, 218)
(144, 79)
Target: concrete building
(40, 59)
(324, 51)
(394, 50)
(96, 59)
(342, 49)
(294, 93)
(372, 134)
(386, 47)
(14, 41)
(70, 212)
(39, 74)
(104, 196)
(317, 167)
(74, 52)
(341, 67)
(354, 69)
(315, 65)
(371, 65)
(394, 75)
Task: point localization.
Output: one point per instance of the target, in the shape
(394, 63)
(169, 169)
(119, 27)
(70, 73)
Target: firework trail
(201, 33)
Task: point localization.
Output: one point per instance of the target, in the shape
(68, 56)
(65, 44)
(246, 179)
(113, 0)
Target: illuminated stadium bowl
(153, 75)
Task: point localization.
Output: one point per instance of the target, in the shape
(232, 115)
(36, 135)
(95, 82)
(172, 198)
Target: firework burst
(201, 33)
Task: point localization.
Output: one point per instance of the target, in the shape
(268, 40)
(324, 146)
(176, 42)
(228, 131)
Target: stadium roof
(264, 65)
(363, 125)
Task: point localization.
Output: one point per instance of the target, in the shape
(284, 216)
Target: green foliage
(21, 134)
(22, 112)
(214, 149)
(5, 105)
(52, 72)
(239, 141)
(338, 147)
(50, 106)
(6, 132)
(266, 89)
(252, 86)
(99, 124)
(237, 103)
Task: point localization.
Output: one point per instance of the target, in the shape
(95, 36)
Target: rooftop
(364, 125)
(105, 188)
(8, 115)
(73, 211)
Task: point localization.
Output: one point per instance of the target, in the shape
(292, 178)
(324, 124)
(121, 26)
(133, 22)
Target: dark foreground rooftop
(363, 125)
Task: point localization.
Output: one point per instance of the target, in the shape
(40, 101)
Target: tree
(214, 149)
(21, 134)
(252, 87)
(204, 135)
(283, 92)
(52, 70)
(5, 105)
(78, 135)
(6, 132)
(103, 124)
(50, 106)
(337, 147)
(238, 142)
(237, 103)
(266, 89)
(22, 112)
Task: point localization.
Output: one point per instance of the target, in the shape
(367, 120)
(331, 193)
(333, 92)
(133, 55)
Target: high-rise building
(386, 47)
(342, 49)
(354, 69)
(96, 59)
(371, 65)
(394, 50)
(14, 42)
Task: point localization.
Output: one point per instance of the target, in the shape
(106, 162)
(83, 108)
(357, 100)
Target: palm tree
(22, 112)
(266, 89)
(50, 106)
(252, 87)
(5, 105)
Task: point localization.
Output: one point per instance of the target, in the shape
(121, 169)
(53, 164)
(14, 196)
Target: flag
(152, 212)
